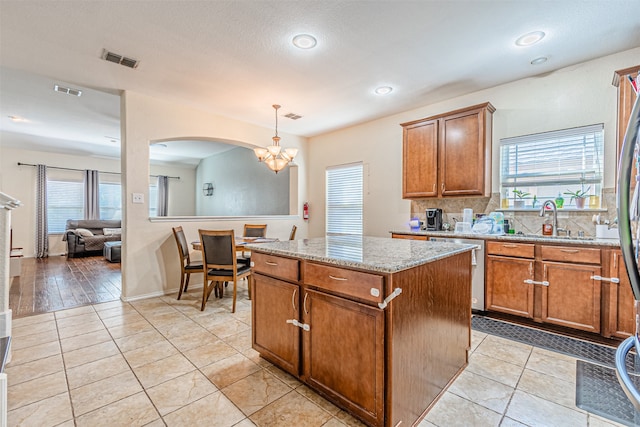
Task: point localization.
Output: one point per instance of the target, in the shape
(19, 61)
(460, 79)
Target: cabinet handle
(293, 299)
(443, 187)
(510, 246)
(570, 251)
(615, 260)
(295, 322)
(434, 187)
(270, 263)
(533, 282)
(531, 269)
(304, 303)
(606, 279)
(342, 279)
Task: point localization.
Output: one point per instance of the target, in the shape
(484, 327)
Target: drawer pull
(342, 279)
(570, 251)
(510, 246)
(533, 282)
(392, 295)
(606, 279)
(270, 263)
(295, 322)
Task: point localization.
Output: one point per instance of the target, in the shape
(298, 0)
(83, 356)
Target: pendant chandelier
(275, 157)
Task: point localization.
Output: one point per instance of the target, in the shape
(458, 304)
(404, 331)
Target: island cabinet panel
(386, 364)
(349, 283)
(428, 336)
(344, 353)
(276, 303)
(572, 296)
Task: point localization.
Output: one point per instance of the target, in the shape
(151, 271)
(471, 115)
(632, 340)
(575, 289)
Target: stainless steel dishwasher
(477, 268)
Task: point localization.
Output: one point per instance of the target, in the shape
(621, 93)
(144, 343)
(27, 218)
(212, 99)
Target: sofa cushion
(83, 232)
(111, 231)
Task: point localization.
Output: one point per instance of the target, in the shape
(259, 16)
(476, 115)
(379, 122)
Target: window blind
(65, 200)
(344, 201)
(544, 164)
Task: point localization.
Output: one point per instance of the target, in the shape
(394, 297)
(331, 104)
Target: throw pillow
(111, 231)
(83, 232)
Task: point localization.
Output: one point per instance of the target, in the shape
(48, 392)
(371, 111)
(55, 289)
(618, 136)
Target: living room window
(64, 201)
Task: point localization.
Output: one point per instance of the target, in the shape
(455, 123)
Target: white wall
(149, 263)
(574, 96)
(243, 186)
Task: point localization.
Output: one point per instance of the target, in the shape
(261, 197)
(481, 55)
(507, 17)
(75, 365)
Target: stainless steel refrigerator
(628, 204)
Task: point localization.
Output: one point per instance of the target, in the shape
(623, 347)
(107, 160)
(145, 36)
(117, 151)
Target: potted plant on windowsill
(519, 202)
(579, 195)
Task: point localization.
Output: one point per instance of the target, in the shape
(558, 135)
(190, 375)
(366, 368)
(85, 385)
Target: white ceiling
(235, 58)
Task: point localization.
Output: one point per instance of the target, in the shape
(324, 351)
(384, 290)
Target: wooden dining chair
(187, 266)
(292, 236)
(220, 263)
(253, 230)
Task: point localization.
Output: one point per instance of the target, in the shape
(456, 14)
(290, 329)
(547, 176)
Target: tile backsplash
(529, 222)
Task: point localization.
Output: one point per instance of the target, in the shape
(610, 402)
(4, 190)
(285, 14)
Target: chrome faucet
(555, 215)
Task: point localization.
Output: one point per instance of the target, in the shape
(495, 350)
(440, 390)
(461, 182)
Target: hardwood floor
(59, 282)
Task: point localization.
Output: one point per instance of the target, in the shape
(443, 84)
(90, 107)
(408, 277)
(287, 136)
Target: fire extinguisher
(305, 211)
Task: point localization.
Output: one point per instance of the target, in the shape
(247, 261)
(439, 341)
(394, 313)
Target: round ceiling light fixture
(539, 60)
(383, 90)
(304, 41)
(530, 38)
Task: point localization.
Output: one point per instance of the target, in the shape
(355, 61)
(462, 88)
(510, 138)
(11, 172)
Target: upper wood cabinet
(626, 98)
(448, 154)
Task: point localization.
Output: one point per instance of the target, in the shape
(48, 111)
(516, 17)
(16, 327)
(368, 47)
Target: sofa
(86, 237)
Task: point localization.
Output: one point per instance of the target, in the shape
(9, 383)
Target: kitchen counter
(531, 238)
(378, 254)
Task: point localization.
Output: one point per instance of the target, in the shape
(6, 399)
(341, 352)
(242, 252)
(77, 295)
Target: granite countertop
(528, 238)
(381, 254)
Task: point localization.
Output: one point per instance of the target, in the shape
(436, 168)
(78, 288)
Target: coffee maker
(434, 219)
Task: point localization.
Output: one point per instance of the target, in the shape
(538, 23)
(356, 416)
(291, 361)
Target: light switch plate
(137, 197)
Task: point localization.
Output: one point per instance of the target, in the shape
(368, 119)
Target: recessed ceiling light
(530, 38)
(383, 90)
(540, 60)
(304, 41)
(17, 119)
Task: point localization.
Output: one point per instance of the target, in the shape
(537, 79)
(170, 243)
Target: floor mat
(598, 392)
(600, 354)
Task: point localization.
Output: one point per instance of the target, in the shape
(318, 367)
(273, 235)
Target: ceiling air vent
(293, 116)
(119, 59)
(67, 90)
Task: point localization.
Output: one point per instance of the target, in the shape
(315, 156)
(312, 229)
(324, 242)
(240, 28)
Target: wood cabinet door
(344, 353)
(572, 297)
(420, 160)
(462, 154)
(621, 300)
(275, 302)
(506, 289)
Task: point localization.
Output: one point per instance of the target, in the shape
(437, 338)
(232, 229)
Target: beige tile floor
(163, 362)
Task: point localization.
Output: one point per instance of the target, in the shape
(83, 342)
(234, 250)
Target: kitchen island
(378, 326)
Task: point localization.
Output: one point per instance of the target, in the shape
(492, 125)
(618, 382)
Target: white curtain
(91, 194)
(163, 195)
(42, 235)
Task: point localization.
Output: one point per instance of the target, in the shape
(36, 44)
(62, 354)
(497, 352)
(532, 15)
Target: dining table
(240, 242)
